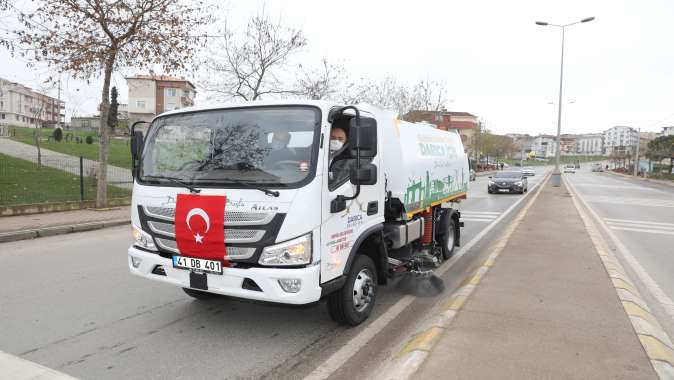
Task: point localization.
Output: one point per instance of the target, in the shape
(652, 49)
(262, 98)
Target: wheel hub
(363, 289)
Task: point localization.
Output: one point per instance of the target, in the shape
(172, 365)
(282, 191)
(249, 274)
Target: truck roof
(323, 104)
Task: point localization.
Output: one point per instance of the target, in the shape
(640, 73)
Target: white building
(620, 138)
(544, 146)
(23, 107)
(591, 144)
(667, 131)
(151, 95)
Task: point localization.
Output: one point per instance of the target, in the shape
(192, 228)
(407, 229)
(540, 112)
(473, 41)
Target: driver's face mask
(277, 145)
(335, 145)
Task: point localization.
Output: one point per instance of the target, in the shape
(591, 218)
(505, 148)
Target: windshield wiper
(180, 182)
(252, 185)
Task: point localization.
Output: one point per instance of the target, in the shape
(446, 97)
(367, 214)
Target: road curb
(657, 181)
(653, 338)
(416, 350)
(16, 368)
(6, 237)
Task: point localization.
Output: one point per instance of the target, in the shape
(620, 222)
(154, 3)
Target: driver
(279, 150)
(340, 162)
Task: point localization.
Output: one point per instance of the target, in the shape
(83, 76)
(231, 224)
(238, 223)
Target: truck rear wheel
(447, 239)
(198, 294)
(353, 303)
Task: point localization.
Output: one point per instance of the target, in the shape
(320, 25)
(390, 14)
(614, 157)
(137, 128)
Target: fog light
(135, 261)
(290, 285)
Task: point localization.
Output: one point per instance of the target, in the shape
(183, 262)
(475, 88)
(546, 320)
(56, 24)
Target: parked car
(570, 168)
(597, 168)
(528, 171)
(505, 182)
(472, 175)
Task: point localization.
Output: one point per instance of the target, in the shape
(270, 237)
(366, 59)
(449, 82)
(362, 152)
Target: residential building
(150, 95)
(524, 144)
(464, 122)
(22, 106)
(590, 144)
(620, 139)
(667, 131)
(544, 146)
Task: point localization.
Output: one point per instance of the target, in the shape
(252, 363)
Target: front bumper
(231, 281)
(498, 188)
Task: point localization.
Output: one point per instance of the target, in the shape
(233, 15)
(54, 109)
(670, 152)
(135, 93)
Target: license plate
(504, 190)
(192, 263)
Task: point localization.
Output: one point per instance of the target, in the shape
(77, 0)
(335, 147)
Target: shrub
(57, 134)
(89, 139)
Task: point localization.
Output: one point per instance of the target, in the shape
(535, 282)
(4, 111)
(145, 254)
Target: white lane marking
(611, 220)
(642, 230)
(16, 368)
(631, 201)
(641, 225)
(643, 275)
(337, 359)
(476, 220)
(481, 212)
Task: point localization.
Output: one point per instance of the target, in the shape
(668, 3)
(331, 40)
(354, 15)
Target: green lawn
(21, 182)
(118, 151)
(562, 160)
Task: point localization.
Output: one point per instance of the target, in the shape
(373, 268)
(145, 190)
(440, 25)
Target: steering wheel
(285, 163)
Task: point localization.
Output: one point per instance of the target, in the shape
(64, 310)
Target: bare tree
(87, 38)
(322, 82)
(248, 66)
(429, 95)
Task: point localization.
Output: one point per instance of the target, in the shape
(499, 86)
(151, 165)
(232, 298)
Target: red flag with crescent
(200, 226)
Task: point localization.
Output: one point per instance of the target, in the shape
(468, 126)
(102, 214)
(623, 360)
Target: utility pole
(636, 156)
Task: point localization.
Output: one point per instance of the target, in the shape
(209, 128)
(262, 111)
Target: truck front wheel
(447, 239)
(353, 303)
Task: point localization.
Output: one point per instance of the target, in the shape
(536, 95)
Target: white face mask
(335, 145)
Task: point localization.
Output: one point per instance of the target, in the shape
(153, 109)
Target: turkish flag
(200, 226)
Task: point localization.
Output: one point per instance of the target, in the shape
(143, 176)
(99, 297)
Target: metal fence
(57, 179)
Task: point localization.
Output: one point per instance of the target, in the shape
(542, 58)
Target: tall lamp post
(556, 175)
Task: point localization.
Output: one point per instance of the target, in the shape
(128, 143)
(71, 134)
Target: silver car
(528, 171)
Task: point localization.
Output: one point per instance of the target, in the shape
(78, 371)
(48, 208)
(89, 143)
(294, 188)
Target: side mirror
(136, 144)
(363, 137)
(366, 175)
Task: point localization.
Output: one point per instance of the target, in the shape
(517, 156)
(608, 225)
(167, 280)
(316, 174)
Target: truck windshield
(273, 147)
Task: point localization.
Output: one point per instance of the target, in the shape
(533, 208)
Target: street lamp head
(542, 23)
(587, 19)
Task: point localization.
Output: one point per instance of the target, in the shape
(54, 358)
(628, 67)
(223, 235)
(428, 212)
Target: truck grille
(232, 218)
(231, 235)
(233, 253)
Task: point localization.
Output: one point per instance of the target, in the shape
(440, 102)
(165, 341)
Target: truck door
(340, 230)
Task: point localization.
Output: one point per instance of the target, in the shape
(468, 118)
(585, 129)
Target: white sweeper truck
(257, 201)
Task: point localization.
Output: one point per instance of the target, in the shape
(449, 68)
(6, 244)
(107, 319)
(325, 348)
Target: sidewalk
(21, 227)
(546, 309)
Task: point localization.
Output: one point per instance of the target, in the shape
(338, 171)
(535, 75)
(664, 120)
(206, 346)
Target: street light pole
(636, 158)
(556, 174)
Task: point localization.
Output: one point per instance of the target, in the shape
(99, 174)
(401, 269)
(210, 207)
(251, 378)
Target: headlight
(518, 183)
(142, 239)
(293, 252)
(491, 183)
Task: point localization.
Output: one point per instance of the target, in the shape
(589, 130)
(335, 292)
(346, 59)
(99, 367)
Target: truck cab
(301, 222)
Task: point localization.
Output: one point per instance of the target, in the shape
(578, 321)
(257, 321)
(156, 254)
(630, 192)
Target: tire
(198, 294)
(447, 239)
(361, 287)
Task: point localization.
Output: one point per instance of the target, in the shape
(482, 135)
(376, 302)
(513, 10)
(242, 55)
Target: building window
(2, 116)
(171, 106)
(140, 104)
(171, 91)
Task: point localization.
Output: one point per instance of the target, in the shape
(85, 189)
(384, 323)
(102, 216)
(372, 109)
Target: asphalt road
(640, 218)
(69, 303)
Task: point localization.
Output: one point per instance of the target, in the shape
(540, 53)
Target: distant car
(472, 175)
(505, 182)
(597, 168)
(528, 171)
(570, 168)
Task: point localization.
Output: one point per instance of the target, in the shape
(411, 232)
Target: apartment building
(667, 131)
(151, 95)
(22, 106)
(568, 144)
(591, 144)
(620, 139)
(544, 146)
(465, 123)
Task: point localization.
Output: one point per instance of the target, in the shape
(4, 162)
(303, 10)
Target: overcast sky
(496, 63)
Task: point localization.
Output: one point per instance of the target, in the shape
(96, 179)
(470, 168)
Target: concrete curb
(411, 357)
(60, 230)
(653, 338)
(16, 368)
(482, 174)
(658, 181)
